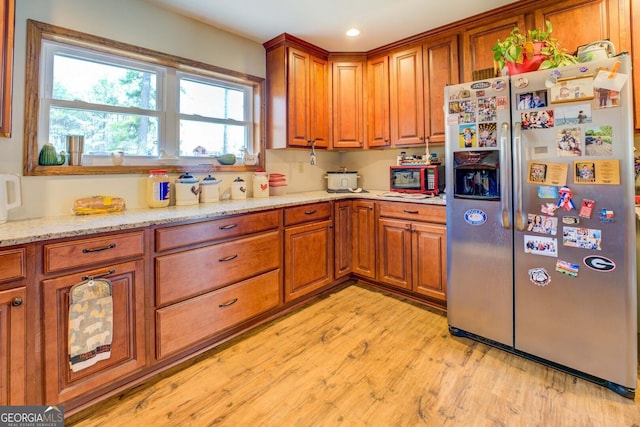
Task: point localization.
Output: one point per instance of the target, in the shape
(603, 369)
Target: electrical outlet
(300, 167)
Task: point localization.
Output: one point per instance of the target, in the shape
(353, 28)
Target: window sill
(139, 169)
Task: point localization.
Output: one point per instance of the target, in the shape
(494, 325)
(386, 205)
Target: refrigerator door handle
(521, 219)
(505, 174)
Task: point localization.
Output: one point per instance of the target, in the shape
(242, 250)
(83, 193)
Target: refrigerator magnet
(547, 192)
(568, 268)
(565, 201)
(539, 276)
(606, 215)
(599, 263)
(586, 208)
(539, 245)
(584, 238)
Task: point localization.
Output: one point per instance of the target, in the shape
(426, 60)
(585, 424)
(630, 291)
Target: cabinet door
(576, 23)
(477, 43)
(318, 102)
(308, 251)
(378, 98)
(347, 104)
(394, 252)
(342, 238)
(429, 252)
(128, 355)
(12, 347)
(298, 98)
(440, 69)
(363, 239)
(407, 104)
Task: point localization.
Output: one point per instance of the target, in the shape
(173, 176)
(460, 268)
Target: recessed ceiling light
(353, 32)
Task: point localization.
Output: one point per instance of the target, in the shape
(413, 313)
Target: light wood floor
(362, 358)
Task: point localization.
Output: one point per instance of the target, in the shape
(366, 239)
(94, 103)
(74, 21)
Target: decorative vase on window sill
(49, 157)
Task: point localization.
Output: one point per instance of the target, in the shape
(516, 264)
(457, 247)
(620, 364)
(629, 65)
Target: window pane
(105, 132)
(209, 100)
(84, 80)
(214, 137)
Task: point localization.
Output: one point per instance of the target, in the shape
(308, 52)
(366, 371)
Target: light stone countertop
(38, 229)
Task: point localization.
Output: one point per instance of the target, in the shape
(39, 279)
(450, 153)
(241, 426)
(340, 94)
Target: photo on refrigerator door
(569, 142)
(584, 238)
(573, 114)
(542, 224)
(487, 134)
(467, 136)
(538, 245)
(537, 119)
(598, 141)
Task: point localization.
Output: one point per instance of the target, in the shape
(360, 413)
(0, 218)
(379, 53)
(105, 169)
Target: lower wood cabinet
(128, 353)
(308, 249)
(208, 314)
(363, 238)
(13, 322)
(411, 250)
(342, 237)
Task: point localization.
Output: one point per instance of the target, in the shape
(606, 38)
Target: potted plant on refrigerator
(530, 51)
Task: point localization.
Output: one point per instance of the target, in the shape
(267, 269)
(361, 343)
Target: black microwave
(425, 179)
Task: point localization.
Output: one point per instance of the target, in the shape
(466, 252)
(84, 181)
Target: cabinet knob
(16, 302)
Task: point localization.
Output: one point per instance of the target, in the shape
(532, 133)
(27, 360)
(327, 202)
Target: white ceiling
(324, 22)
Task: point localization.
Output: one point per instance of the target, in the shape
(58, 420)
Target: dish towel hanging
(90, 323)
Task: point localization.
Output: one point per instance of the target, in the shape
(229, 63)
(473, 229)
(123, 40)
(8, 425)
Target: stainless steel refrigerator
(540, 218)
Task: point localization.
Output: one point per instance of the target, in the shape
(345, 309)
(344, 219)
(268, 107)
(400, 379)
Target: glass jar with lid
(158, 189)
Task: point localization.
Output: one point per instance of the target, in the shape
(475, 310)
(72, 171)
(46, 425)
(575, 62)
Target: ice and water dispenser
(476, 174)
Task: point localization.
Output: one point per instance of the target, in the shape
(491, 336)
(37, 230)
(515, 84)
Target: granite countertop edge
(47, 228)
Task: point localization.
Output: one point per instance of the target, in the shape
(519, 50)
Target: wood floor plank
(360, 357)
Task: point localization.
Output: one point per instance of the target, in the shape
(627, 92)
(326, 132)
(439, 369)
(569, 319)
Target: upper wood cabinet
(418, 77)
(478, 41)
(407, 102)
(378, 121)
(297, 94)
(347, 103)
(7, 18)
(441, 68)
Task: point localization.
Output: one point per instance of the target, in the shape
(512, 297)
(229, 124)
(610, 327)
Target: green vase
(49, 157)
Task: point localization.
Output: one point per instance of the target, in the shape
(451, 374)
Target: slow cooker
(341, 180)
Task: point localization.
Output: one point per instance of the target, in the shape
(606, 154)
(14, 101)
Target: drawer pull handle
(228, 258)
(97, 276)
(16, 302)
(228, 303)
(411, 211)
(228, 226)
(99, 249)
(310, 212)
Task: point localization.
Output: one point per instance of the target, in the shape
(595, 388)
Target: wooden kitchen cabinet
(297, 93)
(214, 275)
(407, 97)
(418, 78)
(378, 100)
(308, 249)
(342, 237)
(441, 68)
(128, 348)
(478, 40)
(13, 343)
(363, 238)
(412, 249)
(347, 103)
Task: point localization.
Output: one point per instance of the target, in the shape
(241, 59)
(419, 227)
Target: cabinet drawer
(184, 235)
(182, 325)
(193, 272)
(307, 213)
(83, 252)
(13, 264)
(414, 211)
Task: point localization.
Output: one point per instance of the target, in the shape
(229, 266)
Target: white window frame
(45, 40)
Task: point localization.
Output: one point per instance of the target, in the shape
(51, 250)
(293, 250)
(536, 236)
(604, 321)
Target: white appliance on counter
(540, 218)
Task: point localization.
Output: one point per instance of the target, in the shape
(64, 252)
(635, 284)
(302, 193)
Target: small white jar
(238, 189)
(210, 190)
(260, 184)
(187, 190)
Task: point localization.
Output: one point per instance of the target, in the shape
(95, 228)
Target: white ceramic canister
(210, 190)
(260, 184)
(238, 189)
(187, 190)
(5, 204)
